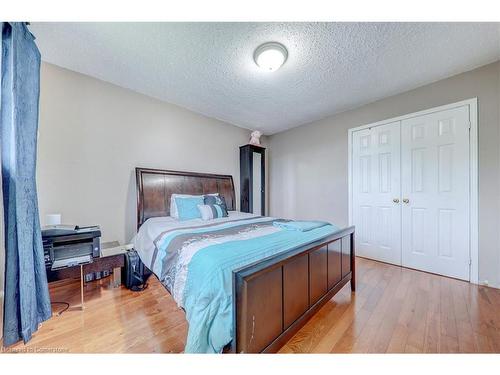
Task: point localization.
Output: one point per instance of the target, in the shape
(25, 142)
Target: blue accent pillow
(217, 200)
(187, 208)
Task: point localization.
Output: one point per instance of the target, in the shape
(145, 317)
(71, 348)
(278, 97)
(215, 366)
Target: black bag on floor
(135, 274)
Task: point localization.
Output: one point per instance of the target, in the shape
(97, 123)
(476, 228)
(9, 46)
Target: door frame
(473, 173)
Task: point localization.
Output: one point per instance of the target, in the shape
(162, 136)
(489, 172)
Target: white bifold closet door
(435, 192)
(376, 191)
(410, 192)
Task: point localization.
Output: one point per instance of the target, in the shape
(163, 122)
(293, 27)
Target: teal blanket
(199, 271)
(303, 226)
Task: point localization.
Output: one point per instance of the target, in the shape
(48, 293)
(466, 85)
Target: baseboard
(490, 285)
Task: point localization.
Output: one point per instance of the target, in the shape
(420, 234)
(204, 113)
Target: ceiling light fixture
(270, 56)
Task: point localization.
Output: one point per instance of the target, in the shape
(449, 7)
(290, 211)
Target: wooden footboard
(273, 298)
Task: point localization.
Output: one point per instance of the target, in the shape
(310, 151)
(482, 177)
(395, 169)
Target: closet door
(376, 185)
(435, 192)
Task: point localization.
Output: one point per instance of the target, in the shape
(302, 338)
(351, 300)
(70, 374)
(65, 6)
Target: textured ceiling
(208, 67)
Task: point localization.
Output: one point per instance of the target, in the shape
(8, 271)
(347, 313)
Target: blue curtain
(27, 300)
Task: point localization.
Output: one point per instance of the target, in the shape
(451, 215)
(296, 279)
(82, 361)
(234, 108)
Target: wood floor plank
(394, 310)
(433, 322)
(390, 322)
(401, 332)
(418, 325)
(447, 312)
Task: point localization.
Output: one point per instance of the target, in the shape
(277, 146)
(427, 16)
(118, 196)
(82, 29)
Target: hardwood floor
(115, 320)
(395, 310)
(398, 310)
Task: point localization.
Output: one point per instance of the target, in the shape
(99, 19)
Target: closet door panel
(435, 190)
(376, 192)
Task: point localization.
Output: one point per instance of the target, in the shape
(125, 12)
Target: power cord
(59, 313)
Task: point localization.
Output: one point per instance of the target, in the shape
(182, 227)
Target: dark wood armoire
(252, 179)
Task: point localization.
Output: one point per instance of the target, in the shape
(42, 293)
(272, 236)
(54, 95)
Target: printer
(70, 246)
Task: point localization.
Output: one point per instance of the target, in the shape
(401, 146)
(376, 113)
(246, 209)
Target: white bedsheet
(144, 240)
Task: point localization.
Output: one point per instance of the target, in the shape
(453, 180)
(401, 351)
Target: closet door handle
(406, 200)
(395, 200)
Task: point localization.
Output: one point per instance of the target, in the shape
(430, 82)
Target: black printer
(70, 246)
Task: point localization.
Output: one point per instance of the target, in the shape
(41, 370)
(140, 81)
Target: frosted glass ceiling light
(270, 56)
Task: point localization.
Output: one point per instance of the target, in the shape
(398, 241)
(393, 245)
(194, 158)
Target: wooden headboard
(155, 186)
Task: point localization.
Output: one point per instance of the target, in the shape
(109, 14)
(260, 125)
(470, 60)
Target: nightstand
(112, 258)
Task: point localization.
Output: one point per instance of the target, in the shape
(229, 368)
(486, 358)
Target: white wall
(308, 164)
(92, 136)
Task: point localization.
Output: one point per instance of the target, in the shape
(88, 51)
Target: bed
(247, 283)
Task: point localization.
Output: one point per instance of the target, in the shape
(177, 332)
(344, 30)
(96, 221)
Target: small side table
(113, 259)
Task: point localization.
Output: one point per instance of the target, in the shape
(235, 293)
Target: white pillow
(206, 212)
(210, 212)
(173, 206)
